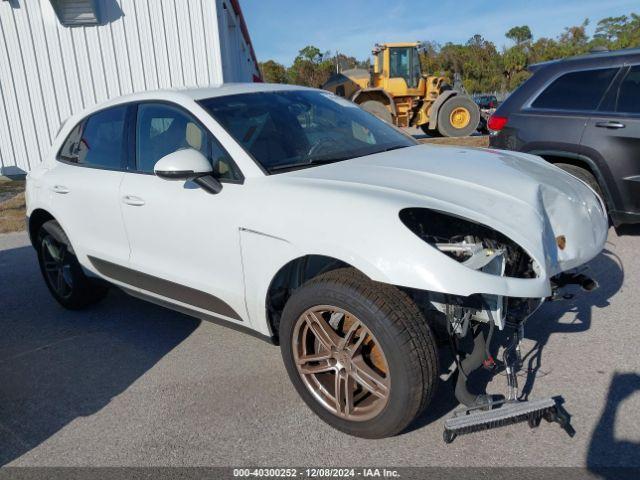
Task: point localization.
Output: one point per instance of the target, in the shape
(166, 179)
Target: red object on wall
(245, 33)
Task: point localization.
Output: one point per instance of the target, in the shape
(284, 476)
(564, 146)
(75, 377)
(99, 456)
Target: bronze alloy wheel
(341, 363)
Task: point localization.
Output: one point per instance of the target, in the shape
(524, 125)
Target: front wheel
(359, 353)
(61, 270)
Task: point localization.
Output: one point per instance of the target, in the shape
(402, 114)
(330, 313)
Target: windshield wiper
(309, 163)
(326, 159)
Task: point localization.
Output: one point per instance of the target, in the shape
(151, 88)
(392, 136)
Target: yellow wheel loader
(397, 92)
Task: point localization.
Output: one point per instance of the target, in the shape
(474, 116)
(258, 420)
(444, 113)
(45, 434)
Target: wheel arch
(437, 104)
(37, 218)
(292, 275)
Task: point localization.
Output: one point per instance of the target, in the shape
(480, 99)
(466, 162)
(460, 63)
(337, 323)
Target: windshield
(295, 129)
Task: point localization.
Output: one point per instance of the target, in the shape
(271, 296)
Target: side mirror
(188, 164)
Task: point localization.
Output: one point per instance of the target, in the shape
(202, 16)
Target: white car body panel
(232, 244)
(186, 235)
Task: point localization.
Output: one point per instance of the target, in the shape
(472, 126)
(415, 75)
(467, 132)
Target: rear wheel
(62, 272)
(359, 353)
(458, 117)
(378, 109)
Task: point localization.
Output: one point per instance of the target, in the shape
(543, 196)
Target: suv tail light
(497, 123)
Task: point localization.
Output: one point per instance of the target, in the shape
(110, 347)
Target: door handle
(133, 200)
(610, 125)
(60, 189)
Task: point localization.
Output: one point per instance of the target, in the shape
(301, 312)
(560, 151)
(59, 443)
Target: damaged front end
(467, 323)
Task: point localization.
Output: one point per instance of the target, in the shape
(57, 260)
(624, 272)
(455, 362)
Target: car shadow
(57, 365)
(628, 230)
(607, 456)
(606, 269)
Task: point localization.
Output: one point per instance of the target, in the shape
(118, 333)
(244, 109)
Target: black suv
(582, 114)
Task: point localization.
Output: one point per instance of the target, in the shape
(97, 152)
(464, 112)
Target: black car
(582, 114)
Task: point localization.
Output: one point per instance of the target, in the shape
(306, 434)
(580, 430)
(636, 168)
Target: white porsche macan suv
(294, 215)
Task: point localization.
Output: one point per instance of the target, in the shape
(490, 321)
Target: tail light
(497, 123)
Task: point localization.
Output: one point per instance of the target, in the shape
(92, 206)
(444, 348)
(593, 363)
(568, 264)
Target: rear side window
(98, 141)
(576, 90)
(629, 92)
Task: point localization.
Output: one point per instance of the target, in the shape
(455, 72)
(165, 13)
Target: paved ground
(128, 383)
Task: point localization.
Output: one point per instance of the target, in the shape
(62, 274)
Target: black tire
(401, 331)
(378, 109)
(432, 132)
(583, 174)
(62, 272)
(445, 126)
(534, 422)
(482, 126)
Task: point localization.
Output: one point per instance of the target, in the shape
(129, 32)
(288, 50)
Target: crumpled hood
(520, 195)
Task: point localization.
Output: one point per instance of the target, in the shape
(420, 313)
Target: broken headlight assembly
(469, 321)
(474, 245)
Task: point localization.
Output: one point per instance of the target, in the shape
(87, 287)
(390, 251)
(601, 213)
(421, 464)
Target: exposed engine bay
(469, 322)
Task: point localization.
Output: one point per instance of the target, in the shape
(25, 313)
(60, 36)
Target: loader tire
(458, 117)
(378, 109)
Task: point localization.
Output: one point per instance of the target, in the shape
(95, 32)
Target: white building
(60, 56)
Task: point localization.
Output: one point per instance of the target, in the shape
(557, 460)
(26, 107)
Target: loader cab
(397, 69)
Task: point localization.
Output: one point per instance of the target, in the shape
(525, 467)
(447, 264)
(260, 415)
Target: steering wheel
(317, 146)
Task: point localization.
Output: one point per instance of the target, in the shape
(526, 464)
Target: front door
(184, 241)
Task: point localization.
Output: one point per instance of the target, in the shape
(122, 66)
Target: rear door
(85, 182)
(613, 136)
(556, 118)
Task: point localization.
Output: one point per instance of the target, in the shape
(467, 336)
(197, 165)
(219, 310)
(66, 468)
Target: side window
(69, 150)
(162, 129)
(97, 141)
(576, 90)
(629, 92)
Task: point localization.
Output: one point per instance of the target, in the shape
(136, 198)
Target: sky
(280, 28)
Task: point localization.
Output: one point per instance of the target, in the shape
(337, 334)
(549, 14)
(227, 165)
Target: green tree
(574, 40)
(430, 58)
(515, 61)
(311, 67)
(273, 72)
(478, 64)
(618, 32)
(520, 34)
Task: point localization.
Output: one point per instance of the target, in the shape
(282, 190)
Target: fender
(435, 107)
(259, 270)
(376, 90)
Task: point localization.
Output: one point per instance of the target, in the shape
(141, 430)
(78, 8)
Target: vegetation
(478, 63)
(12, 207)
